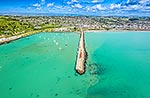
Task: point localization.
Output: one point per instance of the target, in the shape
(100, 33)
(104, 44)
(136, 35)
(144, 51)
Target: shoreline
(102, 31)
(13, 38)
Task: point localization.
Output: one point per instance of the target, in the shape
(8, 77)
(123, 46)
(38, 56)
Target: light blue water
(42, 66)
(123, 64)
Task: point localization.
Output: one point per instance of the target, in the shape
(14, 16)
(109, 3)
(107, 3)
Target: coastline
(12, 38)
(101, 31)
(4, 40)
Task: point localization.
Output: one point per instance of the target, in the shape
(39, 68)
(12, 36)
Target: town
(14, 25)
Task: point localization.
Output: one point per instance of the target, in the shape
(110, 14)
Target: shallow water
(123, 64)
(42, 66)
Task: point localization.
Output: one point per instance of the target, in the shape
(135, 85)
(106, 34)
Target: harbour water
(42, 66)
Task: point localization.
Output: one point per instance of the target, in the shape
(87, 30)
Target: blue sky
(81, 7)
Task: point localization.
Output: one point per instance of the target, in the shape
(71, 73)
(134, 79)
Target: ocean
(42, 66)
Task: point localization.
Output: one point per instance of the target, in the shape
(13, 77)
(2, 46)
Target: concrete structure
(81, 56)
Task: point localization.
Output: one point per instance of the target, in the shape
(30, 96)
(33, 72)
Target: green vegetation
(10, 26)
(46, 26)
(16, 25)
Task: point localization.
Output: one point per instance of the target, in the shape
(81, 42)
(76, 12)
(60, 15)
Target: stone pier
(81, 56)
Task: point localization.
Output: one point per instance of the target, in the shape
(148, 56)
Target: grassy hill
(10, 26)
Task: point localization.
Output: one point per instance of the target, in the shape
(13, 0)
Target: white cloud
(39, 5)
(65, 8)
(132, 1)
(95, 8)
(36, 5)
(69, 10)
(95, 1)
(133, 7)
(61, 9)
(42, 1)
(99, 7)
(128, 7)
(128, 1)
(72, 6)
(113, 6)
(58, 7)
(68, 2)
(50, 4)
(72, 1)
(144, 1)
(38, 8)
(77, 5)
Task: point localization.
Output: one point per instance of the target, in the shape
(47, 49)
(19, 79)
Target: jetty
(81, 55)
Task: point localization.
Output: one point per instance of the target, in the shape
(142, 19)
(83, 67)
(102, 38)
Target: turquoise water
(42, 66)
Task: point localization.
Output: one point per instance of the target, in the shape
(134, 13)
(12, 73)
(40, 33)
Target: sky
(78, 7)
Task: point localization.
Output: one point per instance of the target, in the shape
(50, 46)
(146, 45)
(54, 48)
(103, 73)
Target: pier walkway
(81, 56)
